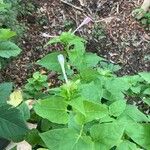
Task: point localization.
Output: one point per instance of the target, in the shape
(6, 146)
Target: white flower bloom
(61, 60)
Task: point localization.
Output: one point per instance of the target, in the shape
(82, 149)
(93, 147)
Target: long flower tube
(61, 61)
(85, 21)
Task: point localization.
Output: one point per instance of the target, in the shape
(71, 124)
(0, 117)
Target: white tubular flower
(61, 60)
(85, 21)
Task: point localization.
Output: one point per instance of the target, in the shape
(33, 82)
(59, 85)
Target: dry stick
(81, 2)
(78, 8)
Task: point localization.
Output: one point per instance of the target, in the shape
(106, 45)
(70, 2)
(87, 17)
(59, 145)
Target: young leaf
(6, 34)
(107, 135)
(66, 139)
(68, 37)
(117, 108)
(54, 109)
(8, 49)
(50, 62)
(12, 124)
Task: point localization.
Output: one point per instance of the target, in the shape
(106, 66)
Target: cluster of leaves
(143, 17)
(7, 48)
(36, 85)
(90, 111)
(12, 119)
(146, 20)
(9, 14)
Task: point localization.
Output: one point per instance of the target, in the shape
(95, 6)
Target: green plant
(140, 86)
(89, 111)
(36, 84)
(12, 120)
(146, 19)
(8, 49)
(9, 15)
(142, 16)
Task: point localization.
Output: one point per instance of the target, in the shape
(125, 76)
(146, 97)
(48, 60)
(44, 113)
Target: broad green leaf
(78, 45)
(76, 53)
(25, 110)
(107, 135)
(12, 124)
(6, 34)
(126, 145)
(72, 122)
(75, 58)
(139, 133)
(91, 92)
(136, 89)
(80, 118)
(15, 98)
(71, 39)
(117, 108)
(66, 37)
(91, 59)
(77, 104)
(54, 109)
(132, 80)
(145, 76)
(33, 138)
(132, 113)
(89, 75)
(117, 91)
(5, 90)
(66, 139)
(8, 49)
(94, 111)
(50, 62)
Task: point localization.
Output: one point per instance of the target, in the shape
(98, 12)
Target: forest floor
(113, 34)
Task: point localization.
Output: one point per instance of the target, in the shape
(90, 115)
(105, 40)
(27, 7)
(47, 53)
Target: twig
(78, 8)
(107, 20)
